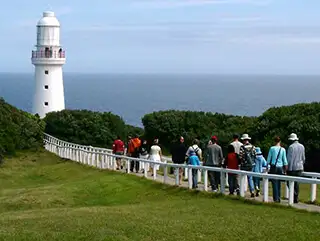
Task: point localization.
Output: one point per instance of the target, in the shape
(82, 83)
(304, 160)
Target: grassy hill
(45, 198)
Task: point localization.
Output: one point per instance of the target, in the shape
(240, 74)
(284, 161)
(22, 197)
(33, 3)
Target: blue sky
(170, 36)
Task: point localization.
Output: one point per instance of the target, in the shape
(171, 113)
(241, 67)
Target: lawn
(45, 198)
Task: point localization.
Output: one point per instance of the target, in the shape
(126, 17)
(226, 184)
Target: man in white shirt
(236, 143)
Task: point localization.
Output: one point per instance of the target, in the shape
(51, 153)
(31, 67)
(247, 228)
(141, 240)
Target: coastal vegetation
(46, 198)
(88, 127)
(100, 129)
(303, 119)
(19, 130)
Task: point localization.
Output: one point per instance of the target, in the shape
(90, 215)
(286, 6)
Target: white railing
(104, 159)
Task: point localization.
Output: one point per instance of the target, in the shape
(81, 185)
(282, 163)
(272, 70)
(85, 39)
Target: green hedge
(19, 130)
(88, 127)
(302, 119)
(169, 125)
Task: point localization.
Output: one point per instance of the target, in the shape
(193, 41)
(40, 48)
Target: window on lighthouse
(46, 103)
(46, 72)
(46, 87)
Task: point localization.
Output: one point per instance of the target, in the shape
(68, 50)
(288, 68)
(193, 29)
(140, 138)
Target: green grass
(45, 198)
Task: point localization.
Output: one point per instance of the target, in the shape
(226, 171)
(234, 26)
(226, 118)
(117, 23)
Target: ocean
(133, 95)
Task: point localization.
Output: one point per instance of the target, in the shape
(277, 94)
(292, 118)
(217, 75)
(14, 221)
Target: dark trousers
(194, 178)
(276, 186)
(134, 164)
(214, 179)
(296, 184)
(233, 183)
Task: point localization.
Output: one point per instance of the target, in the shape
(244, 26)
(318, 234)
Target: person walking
(178, 153)
(194, 161)
(118, 149)
(296, 159)
(232, 162)
(144, 154)
(236, 143)
(260, 162)
(278, 165)
(195, 147)
(247, 155)
(155, 155)
(215, 159)
(133, 151)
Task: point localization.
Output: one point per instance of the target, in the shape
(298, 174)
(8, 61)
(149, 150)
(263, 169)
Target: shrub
(87, 127)
(19, 130)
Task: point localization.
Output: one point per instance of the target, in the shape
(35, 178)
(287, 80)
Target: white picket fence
(103, 158)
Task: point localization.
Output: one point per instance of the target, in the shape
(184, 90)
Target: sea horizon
(131, 96)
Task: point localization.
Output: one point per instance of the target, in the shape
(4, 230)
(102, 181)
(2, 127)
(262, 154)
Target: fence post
(176, 173)
(246, 184)
(190, 177)
(88, 156)
(243, 179)
(265, 190)
(286, 195)
(186, 173)
(98, 164)
(93, 157)
(165, 173)
(145, 170)
(205, 180)
(227, 179)
(103, 158)
(128, 165)
(199, 175)
(154, 170)
(222, 182)
(313, 191)
(291, 192)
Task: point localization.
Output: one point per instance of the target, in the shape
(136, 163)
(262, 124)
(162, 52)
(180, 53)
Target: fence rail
(103, 158)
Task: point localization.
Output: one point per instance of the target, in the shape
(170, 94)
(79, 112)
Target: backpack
(248, 160)
(136, 144)
(196, 150)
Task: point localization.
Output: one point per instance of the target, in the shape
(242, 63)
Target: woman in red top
(232, 162)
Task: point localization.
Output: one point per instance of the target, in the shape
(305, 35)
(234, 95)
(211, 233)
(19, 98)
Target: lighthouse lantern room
(48, 59)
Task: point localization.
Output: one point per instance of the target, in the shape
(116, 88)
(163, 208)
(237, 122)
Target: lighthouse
(48, 59)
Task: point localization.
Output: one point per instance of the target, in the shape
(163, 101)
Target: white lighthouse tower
(48, 59)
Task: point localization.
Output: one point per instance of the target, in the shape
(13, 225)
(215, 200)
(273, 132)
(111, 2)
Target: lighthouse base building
(48, 59)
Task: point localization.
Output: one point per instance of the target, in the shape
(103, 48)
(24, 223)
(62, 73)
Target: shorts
(119, 153)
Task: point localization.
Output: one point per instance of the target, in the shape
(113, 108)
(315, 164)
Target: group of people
(241, 155)
(137, 149)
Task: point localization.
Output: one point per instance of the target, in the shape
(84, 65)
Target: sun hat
(258, 151)
(245, 137)
(293, 137)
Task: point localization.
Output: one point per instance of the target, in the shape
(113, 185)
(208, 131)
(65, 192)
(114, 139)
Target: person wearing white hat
(296, 159)
(247, 157)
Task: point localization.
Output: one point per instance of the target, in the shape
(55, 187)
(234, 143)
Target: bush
(87, 127)
(302, 119)
(19, 130)
(169, 125)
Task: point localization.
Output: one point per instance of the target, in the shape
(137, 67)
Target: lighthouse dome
(48, 19)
